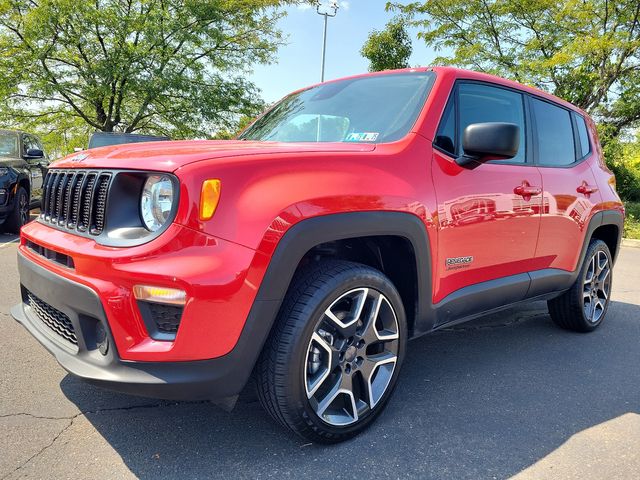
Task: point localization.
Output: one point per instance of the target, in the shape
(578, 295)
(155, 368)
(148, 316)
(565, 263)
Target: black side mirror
(34, 154)
(482, 142)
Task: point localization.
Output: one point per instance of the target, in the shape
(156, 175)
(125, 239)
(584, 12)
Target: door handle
(586, 189)
(526, 191)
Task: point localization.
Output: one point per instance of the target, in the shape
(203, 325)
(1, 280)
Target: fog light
(102, 341)
(170, 296)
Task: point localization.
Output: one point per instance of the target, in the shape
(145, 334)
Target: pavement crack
(101, 410)
(41, 451)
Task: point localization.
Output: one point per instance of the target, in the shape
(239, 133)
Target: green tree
(388, 49)
(585, 51)
(175, 67)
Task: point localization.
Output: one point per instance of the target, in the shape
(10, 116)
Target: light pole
(326, 11)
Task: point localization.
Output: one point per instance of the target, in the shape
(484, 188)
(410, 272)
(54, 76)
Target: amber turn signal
(209, 198)
(170, 296)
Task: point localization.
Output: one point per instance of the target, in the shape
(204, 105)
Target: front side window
(8, 144)
(483, 103)
(555, 134)
(479, 103)
(374, 109)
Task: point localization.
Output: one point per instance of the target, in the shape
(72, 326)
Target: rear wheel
(333, 358)
(584, 306)
(19, 216)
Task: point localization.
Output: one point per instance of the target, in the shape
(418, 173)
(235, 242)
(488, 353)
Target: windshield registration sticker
(362, 137)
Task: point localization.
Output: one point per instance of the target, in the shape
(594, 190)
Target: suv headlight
(156, 202)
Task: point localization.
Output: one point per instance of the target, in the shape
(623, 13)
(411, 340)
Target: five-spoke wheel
(597, 285)
(351, 356)
(582, 308)
(333, 358)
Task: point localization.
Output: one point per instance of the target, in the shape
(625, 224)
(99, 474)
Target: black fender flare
(599, 219)
(292, 247)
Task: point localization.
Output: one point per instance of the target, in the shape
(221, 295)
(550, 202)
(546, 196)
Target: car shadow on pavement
(485, 399)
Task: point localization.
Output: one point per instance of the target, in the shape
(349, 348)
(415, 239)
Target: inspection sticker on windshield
(362, 137)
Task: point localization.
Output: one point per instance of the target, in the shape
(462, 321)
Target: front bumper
(209, 379)
(214, 379)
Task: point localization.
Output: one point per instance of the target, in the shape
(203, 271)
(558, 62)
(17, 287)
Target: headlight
(157, 201)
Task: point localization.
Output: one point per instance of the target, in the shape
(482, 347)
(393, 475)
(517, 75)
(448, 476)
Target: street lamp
(326, 11)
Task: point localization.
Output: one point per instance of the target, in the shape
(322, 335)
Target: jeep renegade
(351, 217)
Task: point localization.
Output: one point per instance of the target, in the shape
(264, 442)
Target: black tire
(584, 306)
(19, 216)
(289, 354)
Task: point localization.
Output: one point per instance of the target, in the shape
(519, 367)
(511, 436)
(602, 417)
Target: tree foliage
(174, 67)
(388, 49)
(585, 51)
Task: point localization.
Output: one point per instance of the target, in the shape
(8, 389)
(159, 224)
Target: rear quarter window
(583, 135)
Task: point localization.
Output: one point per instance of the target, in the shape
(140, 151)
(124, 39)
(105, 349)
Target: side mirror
(34, 154)
(482, 142)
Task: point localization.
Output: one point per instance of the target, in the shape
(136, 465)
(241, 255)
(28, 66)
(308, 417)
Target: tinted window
(446, 136)
(372, 109)
(582, 134)
(483, 103)
(555, 134)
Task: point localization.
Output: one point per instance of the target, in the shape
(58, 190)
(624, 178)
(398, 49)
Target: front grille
(54, 319)
(76, 200)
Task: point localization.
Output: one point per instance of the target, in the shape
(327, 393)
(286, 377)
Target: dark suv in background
(23, 165)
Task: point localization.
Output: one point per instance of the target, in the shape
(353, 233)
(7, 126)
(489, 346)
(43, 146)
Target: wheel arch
(389, 239)
(606, 225)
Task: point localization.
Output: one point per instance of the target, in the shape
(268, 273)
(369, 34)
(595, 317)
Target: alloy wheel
(597, 286)
(352, 356)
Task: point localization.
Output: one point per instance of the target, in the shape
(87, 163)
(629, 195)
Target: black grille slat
(61, 207)
(52, 195)
(45, 197)
(75, 200)
(53, 318)
(100, 204)
(85, 205)
(68, 197)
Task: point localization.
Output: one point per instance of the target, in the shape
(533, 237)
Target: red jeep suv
(351, 217)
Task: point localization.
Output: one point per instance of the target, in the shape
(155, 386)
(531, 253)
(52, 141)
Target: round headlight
(156, 201)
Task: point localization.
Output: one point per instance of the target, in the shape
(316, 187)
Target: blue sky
(298, 62)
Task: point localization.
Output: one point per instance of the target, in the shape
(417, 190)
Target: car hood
(169, 156)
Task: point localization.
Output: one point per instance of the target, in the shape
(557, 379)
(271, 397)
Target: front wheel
(334, 356)
(583, 307)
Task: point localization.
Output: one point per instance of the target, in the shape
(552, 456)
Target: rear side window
(583, 136)
(479, 103)
(555, 134)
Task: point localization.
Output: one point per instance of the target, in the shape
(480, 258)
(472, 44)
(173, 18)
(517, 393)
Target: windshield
(375, 109)
(8, 144)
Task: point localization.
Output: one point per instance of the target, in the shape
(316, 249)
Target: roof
(460, 73)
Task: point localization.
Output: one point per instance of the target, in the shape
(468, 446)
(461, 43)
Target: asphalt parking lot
(507, 395)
